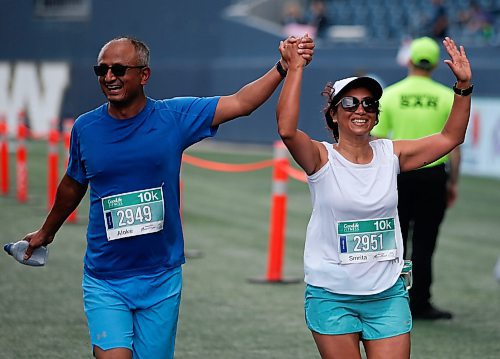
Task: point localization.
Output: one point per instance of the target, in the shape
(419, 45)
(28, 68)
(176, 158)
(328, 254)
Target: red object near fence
(52, 165)
(22, 158)
(277, 223)
(4, 157)
(278, 214)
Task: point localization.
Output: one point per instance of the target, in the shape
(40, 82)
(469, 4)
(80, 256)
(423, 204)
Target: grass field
(223, 315)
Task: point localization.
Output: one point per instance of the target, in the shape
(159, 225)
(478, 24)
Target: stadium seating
(389, 21)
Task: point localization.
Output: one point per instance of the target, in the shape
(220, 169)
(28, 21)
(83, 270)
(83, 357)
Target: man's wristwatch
(463, 92)
(281, 70)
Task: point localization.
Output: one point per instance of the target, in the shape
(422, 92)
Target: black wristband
(463, 92)
(281, 70)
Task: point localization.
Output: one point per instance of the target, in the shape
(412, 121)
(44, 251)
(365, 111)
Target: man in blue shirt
(129, 151)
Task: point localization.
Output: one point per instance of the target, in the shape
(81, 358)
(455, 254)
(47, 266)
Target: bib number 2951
(373, 242)
(367, 240)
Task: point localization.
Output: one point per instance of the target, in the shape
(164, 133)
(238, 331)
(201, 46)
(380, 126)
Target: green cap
(424, 52)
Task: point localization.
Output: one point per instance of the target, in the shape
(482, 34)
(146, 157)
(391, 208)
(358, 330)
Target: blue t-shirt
(143, 152)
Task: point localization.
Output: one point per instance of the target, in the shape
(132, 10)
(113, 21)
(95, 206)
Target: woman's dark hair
(333, 126)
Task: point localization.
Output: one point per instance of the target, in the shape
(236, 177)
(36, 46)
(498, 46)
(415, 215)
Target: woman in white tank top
(353, 251)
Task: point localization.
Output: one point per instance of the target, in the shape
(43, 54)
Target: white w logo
(38, 91)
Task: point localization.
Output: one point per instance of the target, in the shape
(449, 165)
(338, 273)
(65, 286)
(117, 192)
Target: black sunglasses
(350, 103)
(116, 69)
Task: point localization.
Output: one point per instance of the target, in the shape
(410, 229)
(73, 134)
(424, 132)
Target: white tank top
(353, 241)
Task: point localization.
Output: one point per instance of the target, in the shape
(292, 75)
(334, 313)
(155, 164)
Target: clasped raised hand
(303, 46)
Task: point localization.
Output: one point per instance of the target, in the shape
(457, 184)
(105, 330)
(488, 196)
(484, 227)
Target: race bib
(367, 241)
(133, 213)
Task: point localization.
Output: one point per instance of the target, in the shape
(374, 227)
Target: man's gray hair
(141, 49)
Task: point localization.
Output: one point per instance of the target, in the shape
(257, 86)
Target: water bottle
(17, 250)
(407, 273)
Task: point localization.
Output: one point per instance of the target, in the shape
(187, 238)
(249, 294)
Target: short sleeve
(76, 169)
(194, 116)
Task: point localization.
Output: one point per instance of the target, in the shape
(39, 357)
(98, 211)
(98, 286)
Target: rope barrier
(277, 223)
(296, 174)
(226, 167)
(281, 171)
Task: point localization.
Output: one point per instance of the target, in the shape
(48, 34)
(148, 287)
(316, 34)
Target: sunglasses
(116, 69)
(350, 103)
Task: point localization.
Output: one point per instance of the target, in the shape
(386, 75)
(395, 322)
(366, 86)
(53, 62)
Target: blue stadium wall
(196, 51)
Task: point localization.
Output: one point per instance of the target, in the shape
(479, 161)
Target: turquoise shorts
(139, 313)
(377, 316)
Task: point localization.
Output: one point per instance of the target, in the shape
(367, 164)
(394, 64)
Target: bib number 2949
(133, 213)
(129, 216)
